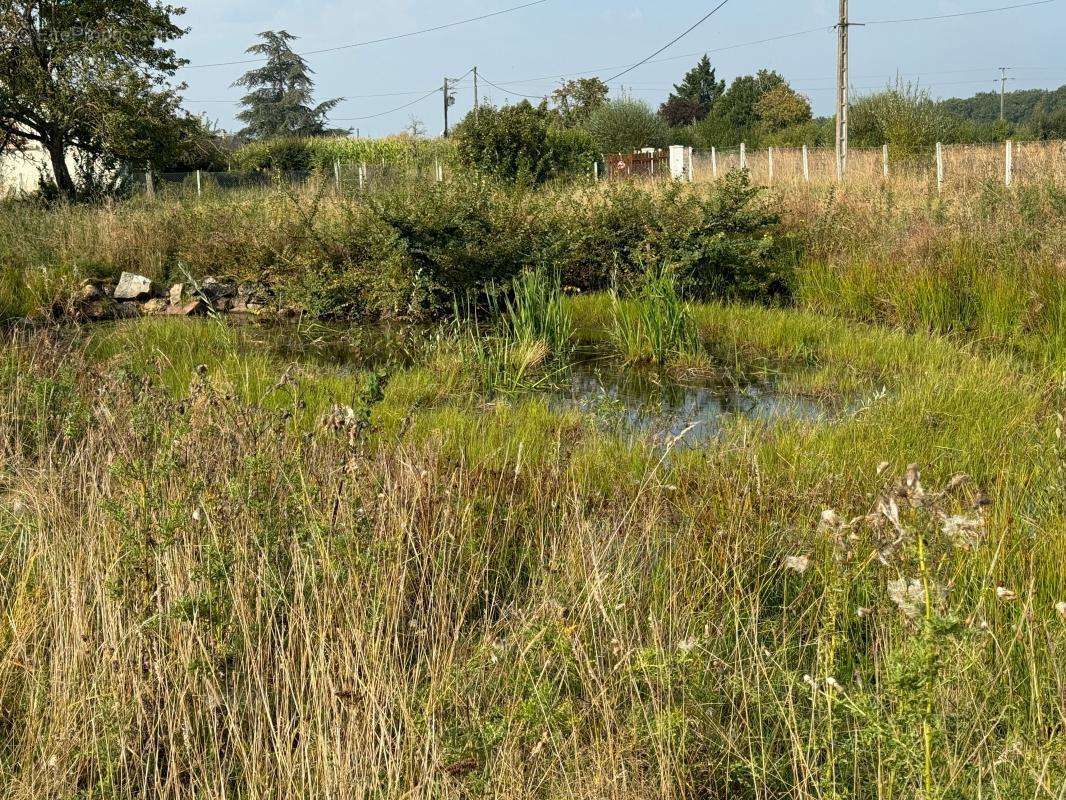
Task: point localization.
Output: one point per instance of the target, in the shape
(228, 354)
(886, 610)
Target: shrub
(460, 236)
(623, 126)
(519, 143)
(904, 117)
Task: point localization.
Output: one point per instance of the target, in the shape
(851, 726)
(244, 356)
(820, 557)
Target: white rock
(132, 287)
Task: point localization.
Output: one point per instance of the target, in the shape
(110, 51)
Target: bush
(717, 241)
(904, 117)
(519, 143)
(460, 236)
(623, 126)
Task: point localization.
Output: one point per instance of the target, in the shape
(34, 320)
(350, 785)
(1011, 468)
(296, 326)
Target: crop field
(616, 491)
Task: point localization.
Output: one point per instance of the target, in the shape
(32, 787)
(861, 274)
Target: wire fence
(950, 168)
(343, 176)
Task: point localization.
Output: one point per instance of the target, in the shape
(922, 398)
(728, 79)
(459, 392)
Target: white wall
(21, 172)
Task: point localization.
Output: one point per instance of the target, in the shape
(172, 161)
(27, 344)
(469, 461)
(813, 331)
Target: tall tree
(91, 78)
(781, 107)
(693, 98)
(575, 100)
(281, 94)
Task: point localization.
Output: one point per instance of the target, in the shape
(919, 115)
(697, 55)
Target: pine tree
(693, 98)
(280, 97)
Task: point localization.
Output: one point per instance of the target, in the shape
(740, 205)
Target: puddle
(637, 403)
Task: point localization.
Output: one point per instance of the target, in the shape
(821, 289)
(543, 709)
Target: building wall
(21, 172)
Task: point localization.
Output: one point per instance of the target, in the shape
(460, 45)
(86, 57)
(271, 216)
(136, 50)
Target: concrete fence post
(770, 165)
(440, 172)
(743, 156)
(337, 174)
(806, 165)
(1008, 168)
(596, 171)
(362, 175)
(199, 185)
(149, 183)
(714, 162)
(680, 163)
(884, 160)
(939, 166)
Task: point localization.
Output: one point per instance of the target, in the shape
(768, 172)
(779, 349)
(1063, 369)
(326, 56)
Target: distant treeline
(1024, 107)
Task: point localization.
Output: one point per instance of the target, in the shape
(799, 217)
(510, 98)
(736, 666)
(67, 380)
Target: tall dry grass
(213, 593)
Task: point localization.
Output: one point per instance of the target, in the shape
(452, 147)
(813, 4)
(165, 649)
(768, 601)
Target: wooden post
(884, 160)
(770, 165)
(743, 156)
(714, 162)
(806, 165)
(939, 166)
(1008, 170)
(199, 187)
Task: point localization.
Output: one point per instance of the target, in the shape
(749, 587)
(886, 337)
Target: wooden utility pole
(446, 104)
(1003, 91)
(842, 90)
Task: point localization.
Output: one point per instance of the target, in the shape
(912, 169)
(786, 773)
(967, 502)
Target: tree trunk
(57, 154)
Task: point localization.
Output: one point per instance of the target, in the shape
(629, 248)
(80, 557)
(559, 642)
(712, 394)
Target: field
(234, 563)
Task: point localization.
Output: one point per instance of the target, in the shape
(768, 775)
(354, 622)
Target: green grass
(276, 576)
(539, 600)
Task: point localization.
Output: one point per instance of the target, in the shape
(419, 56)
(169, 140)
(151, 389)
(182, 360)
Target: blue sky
(955, 57)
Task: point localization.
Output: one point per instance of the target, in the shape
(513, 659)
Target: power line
(669, 44)
(508, 91)
(390, 111)
(959, 13)
(768, 40)
(378, 41)
(596, 71)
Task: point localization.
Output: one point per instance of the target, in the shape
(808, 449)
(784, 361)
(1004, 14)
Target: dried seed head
(1060, 607)
(1005, 594)
(963, 531)
(956, 482)
(687, 645)
(830, 520)
(909, 596)
(883, 467)
(797, 564)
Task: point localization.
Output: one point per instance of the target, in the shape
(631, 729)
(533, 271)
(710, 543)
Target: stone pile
(135, 295)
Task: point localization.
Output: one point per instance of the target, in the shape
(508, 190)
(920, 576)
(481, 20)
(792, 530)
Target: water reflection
(639, 402)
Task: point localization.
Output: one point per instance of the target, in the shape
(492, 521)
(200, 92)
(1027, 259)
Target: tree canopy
(575, 100)
(91, 79)
(280, 100)
(693, 98)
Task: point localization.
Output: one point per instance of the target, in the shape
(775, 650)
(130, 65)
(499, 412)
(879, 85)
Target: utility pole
(446, 104)
(842, 90)
(477, 114)
(1003, 91)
